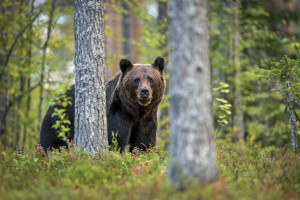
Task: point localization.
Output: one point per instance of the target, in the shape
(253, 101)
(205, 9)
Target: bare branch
(274, 90)
(20, 96)
(296, 102)
(297, 118)
(37, 45)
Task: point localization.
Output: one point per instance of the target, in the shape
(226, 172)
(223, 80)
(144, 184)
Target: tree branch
(20, 96)
(15, 42)
(274, 90)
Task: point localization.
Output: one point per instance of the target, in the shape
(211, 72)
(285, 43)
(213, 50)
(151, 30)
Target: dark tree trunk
(163, 21)
(131, 32)
(42, 74)
(164, 25)
(113, 40)
(28, 81)
(4, 75)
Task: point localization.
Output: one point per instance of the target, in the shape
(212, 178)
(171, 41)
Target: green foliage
(262, 32)
(223, 106)
(245, 172)
(284, 70)
(20, 82)
(61, 102)
(285, 75)
(114, 142)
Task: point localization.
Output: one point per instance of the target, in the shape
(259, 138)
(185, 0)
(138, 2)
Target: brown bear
(132, 100)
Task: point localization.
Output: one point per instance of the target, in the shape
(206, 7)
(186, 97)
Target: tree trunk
(113, 42)
(292, 118)
(126, 47)
(131, 32)
(28, 81)
(238, 127)
(90, 102)
(136, 38)
(4, 98)
(4, 75)
(192, 149)
(162, 21)
(43, 65)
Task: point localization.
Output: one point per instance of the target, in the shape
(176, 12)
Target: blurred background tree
(245, 37)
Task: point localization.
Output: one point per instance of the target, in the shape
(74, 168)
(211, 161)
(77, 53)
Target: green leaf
(222, 100)
(64, 104)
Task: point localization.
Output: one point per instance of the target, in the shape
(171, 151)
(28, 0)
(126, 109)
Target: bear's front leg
(120, 125)
(143, 134)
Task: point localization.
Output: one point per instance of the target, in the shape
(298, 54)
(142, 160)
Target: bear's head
(143, 83)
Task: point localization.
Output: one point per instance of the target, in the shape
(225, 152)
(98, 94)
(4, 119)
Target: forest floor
(245, 172)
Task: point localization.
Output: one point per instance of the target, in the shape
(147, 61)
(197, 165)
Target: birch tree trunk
(192, 152)
(90, 112)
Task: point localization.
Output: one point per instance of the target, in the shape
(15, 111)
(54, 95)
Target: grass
(245, 172)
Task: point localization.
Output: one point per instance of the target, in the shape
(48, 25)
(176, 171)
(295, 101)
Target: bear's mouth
(144, 101)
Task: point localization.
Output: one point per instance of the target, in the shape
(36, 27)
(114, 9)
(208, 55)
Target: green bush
(245, 172)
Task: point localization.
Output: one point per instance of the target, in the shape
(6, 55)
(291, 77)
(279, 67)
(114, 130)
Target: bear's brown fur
(132, 100)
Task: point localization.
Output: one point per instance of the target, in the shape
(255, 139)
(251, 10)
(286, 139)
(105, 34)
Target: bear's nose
(144, 92)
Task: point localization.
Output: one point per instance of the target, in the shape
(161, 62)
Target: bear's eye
(137, 80)
(150, 79)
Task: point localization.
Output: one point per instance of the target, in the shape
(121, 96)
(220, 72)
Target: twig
(297, 102)
(20, 96)
(297, 118)
(37, 45)
(274, 90)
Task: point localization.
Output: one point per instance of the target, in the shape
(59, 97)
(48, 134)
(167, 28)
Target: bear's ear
(125, 65)
(159, 63)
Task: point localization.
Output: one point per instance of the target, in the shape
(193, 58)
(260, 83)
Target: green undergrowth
(245, 172)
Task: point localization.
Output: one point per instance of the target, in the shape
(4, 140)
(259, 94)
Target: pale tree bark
(192, 152)
(90, 103)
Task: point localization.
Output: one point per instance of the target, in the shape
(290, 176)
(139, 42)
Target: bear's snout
(144, 96)
(144, 93)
